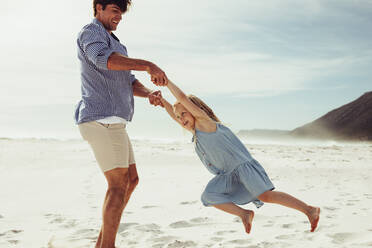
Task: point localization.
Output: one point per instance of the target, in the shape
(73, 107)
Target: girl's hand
(155, 98)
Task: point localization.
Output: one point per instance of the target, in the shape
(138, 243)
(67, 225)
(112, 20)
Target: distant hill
(352, 121)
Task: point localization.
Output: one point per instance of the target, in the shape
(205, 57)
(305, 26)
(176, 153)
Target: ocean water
(56, 122)
(149, 124)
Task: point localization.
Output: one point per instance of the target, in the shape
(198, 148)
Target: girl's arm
(185, 101)
(169, 108)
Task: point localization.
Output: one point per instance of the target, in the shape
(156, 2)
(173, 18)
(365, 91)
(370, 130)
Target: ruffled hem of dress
(258, 203)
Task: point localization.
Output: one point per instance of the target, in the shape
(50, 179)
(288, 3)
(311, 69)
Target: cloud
(238, 48)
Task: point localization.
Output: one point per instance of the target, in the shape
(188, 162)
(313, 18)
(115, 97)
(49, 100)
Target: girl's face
(185, 117)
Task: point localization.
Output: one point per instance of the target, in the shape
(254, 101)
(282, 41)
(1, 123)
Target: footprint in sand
(266, 244)
(239, 241)
(181, 224)
(126, 226)
(289, 225)
(368, 196)
(149, 206)
(162, 241)
(330, 208)
(352, 202)
(216, 239)
(181, 244)
(132, 243)
(342, 238)
(188, 202)
(124, 234)
(201, 220)
(56, 219)
(219, 233)
(158, 246)
(330, 216)
(269, 223)
(13, 242)
(285, 236)
(11, 232)
(149, 228)
(70, 223)
(11, 235)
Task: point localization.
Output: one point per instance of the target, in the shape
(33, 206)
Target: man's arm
(93, 43)
(140, 90)
(119, 62)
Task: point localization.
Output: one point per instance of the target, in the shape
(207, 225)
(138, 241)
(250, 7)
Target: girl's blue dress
(239, 177)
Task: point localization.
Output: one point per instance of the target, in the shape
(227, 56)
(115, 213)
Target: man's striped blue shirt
(104, 92)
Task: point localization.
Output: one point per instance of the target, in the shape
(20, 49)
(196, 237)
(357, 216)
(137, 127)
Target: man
(107, 89)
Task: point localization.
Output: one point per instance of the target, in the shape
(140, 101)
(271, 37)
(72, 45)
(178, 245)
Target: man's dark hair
(122, 4)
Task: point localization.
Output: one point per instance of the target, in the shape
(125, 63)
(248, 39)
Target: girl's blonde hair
(198, 102)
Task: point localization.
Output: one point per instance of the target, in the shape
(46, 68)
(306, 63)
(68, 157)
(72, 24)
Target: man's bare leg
(133, 181)
(99, 240)
(245, 215)
(287, 200)
(113, 207)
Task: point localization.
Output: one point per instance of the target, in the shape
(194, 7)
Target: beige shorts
(110, 143)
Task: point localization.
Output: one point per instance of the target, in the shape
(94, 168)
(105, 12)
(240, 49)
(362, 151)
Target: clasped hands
(159, 78)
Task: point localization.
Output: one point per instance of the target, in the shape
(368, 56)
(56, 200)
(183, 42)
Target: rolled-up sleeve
(95, 46)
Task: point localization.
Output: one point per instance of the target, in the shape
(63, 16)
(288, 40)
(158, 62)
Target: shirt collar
(95, 21)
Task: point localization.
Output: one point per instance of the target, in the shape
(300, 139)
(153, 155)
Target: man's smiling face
(110, 17)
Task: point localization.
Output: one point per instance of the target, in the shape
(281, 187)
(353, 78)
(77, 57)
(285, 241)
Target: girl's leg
(244, 214)
(287, 200)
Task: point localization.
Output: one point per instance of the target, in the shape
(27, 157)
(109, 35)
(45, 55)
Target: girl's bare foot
(313, 215)
(247, 219)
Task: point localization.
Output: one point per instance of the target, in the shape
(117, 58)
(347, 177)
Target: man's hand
(158, 76)
(155, 98)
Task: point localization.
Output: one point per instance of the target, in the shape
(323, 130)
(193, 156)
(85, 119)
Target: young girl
(239, 178)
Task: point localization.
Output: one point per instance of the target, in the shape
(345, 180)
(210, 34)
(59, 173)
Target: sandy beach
(52, 191)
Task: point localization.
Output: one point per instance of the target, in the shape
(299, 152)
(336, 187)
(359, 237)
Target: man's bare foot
(247, 220)
(313, 216)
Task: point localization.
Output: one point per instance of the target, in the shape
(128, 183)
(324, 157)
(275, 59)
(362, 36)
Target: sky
(259, 64)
